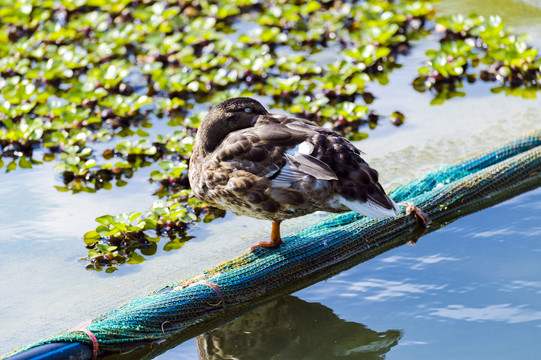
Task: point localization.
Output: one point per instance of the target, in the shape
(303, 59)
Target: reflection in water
(290, 328)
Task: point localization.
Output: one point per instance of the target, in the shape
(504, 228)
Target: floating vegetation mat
(94, 87)
(185, 309)
(85, 83)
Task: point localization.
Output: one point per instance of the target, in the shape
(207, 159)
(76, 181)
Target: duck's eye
(248, 110)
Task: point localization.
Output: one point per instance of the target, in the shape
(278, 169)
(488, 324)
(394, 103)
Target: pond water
(469, 290)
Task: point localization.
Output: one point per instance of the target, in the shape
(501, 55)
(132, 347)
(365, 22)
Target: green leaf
(11, 166)
(156, 175)
(147, 224)
(141, 133)
(174, 245)
(166, 165)
(102, 230)
(94, 254)
(310, 7)
(134, 216)
(91, 237)
(120, 227)
(112, 232)
(90, 163)
(105, 220)
(151, 250)
(358, 136)
(135, 258)
(245, 38)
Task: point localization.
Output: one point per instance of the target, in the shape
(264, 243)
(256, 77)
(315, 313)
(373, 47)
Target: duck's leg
(275, 239)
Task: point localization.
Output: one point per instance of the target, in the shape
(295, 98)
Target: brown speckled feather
(278, 167)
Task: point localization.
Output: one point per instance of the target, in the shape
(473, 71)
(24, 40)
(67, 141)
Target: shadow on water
(291, 328)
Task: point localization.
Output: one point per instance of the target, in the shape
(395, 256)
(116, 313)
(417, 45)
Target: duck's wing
(288, 160)
(268, 147)
(259, 164)
(356, 184)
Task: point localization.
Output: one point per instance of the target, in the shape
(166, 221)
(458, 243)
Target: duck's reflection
(290, 328)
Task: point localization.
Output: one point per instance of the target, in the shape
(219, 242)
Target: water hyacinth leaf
(153, 239)
(105, 220)
(166, 165)
(174, 244)
(147, 224)
(91, 237)
(48, 157)
(397, 118)
(94, 254)
(24, 163)
(472, 41)
(113, 231)
(150, 250)
(142, 133)
(358, 136)
(11, 166)
(102, 230)
(120, 183)
(134, 216)
(135, 258)
(156, 175)
(310, 7)
(191, 216)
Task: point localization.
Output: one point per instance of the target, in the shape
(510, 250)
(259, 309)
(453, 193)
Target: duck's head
(226, 117)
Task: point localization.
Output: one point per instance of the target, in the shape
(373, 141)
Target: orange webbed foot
(274, 242)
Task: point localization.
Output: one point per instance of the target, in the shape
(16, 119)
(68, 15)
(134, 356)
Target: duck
(276, 167)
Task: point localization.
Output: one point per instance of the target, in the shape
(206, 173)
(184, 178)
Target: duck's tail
(372, 208)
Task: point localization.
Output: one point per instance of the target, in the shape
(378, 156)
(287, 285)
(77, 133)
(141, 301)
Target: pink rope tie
(216, 289)
(93, 338)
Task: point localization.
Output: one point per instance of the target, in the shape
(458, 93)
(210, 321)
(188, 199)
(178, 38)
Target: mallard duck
(276, 167)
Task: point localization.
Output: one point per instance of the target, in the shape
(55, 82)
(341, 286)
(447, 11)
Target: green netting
(313, 253)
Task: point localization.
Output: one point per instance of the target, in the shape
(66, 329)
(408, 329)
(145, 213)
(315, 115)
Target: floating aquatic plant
(83, 84)
(116, 239)
(474, 47)
(104, 67)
